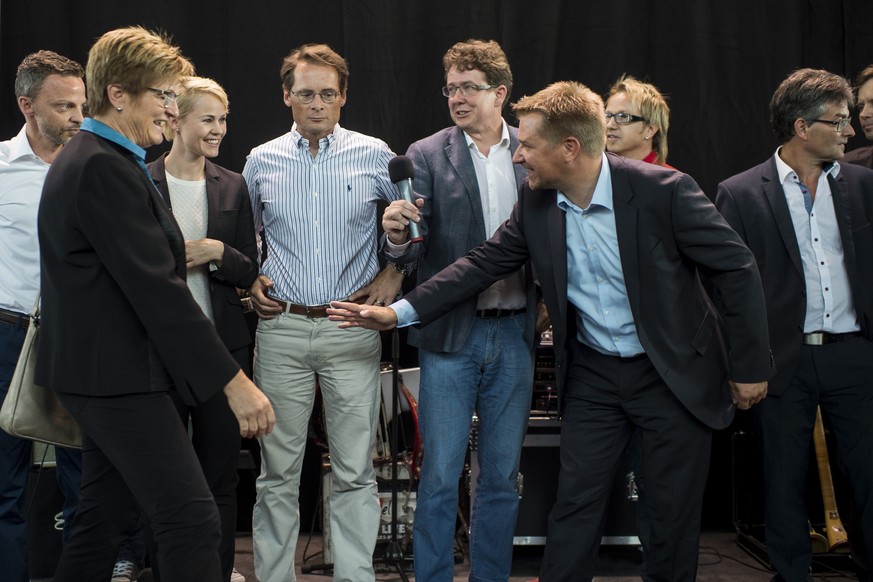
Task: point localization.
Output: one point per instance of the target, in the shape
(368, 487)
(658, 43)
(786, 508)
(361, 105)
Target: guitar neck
(835, 531)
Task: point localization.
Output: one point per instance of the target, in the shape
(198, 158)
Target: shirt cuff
(406, 313)
(396, 251)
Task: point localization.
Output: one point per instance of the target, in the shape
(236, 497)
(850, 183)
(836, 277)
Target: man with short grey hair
(51, 96)
(806, 217)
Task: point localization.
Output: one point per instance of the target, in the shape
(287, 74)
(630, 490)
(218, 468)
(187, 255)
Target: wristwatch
(405, 269)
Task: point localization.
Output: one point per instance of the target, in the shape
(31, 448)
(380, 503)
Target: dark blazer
(754, 204)
(667, 230)
(861, 157)
(113, 284)
(452, 224)
(229, 220)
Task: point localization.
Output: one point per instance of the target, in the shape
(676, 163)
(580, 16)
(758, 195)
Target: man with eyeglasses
(479, 356)
(806, 217)
(864, 87)
(314, 192)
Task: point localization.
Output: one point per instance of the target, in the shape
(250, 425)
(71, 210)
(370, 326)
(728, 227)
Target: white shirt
(22, 174)
(829, 305)
(188, 200)
(498, 194)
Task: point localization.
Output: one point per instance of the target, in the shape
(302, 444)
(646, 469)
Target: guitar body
(819, 543)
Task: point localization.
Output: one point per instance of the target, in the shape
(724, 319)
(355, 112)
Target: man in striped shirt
(314, 192)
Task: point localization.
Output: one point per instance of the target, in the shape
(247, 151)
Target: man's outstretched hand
(366, 316)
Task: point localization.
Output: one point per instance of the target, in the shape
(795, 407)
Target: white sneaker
(125, 571)
(235, 576)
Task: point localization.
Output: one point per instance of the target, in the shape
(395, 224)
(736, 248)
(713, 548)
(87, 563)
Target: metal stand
(393, 552)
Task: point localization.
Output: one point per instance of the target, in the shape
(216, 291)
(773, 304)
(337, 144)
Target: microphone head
(400, 168)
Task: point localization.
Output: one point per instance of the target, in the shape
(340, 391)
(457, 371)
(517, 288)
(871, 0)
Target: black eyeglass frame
(839, 125)
(623, 118)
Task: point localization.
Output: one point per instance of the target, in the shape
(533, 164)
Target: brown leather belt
(13, 318)
(310, 311)
(498, 313)
(821, 338)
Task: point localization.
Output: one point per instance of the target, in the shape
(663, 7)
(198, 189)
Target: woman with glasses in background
(637, 120)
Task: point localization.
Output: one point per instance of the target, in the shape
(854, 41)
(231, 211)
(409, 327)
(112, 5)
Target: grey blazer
(453, 225)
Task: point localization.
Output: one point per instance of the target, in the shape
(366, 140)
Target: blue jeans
(15, 460)
(493, 375)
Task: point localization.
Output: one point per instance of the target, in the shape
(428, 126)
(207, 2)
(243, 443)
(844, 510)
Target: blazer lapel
(779, 206)
(159, 176)
(843, 209)
(165, 218)
(557, 231)
(458, 155)
(626, 233)
(214, 193)
(520, 172)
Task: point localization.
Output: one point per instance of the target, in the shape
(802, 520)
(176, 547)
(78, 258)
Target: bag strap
(34, 313)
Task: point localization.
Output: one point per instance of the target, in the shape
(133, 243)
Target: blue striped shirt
(319, 214)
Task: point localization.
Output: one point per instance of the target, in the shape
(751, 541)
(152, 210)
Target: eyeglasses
(328, 96)
(169, 96)
(624, 118)
(466, 89)
(839, 124)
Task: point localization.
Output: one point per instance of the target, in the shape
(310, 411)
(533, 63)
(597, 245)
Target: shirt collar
(602, 190)
(302, 141)
(786, 172)
(99, 128)
(20, 147)
(504, 137)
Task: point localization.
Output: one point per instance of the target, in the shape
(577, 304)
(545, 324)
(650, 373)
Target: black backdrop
(718, 61)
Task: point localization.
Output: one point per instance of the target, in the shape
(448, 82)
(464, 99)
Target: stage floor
(721, 560)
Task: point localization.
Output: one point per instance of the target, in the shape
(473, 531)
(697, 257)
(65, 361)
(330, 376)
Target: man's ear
(801, 128)
(25, 104)
(571, 148)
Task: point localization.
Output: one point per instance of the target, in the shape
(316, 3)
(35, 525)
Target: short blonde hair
(569, 109)
(653, 106)
(191, 90)
(134, 58)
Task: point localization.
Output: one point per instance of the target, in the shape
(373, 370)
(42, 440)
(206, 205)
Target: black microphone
(401, 172)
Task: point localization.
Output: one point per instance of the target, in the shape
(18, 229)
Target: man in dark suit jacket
(469, 185)
(617, 246)
(864, 87)
(807, 219)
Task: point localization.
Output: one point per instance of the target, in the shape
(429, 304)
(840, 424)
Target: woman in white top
(212, 206)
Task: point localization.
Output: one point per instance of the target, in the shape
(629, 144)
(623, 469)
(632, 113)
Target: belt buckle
(814, 339)
(316, 311)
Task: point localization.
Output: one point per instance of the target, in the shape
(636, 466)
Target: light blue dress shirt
(594, 274)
